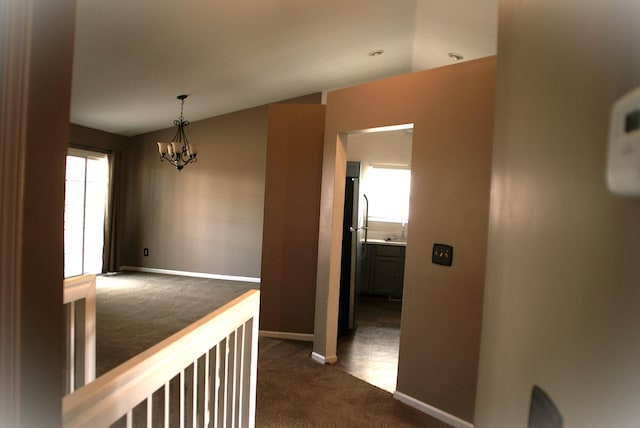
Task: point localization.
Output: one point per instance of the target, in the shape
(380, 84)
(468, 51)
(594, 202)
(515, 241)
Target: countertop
(384, 242)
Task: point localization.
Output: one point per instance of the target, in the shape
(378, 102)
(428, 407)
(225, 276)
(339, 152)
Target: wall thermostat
(623, 164)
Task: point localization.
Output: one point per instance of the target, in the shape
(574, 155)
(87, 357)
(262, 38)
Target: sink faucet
(403, 237)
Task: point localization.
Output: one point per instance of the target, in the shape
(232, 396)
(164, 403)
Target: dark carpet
(137, 310)
(295, 391)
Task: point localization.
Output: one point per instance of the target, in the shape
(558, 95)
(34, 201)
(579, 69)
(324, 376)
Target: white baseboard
(286, 335)
(193, 274)
(448, 418)
(324, 360)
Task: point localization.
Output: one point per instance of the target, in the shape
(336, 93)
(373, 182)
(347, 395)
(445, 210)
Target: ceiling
(132, 58)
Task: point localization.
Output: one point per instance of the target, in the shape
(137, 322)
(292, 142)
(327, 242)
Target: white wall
(392, 147)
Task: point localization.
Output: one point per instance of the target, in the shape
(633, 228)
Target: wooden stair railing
(80, 367)
(204, 375)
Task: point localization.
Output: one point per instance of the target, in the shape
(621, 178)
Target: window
(84, 209)
(387, 188)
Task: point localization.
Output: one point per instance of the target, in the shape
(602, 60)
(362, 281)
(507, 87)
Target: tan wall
(91, 138)
(292, 197)
(562, 300)
(206, 218)
(452, 109)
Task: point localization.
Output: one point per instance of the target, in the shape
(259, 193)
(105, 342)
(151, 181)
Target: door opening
(86, 183)
(374, 246)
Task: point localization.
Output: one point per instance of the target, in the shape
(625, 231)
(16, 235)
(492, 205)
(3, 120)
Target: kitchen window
(388, 189)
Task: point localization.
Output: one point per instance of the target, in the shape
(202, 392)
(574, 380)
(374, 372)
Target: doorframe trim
(15, 51)
(318, 358)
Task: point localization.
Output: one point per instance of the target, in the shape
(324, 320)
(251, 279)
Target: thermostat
(623, 164)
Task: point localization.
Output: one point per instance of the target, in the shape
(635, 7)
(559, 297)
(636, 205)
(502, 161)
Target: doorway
(86, 184)
(369, 348)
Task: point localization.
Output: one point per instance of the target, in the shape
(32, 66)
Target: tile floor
(370, 352)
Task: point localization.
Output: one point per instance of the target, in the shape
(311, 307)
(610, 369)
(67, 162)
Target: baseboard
(322, 359)
(287, 335)
(193, 274)
(448, 418)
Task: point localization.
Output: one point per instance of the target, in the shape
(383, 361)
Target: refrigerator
(354, 246)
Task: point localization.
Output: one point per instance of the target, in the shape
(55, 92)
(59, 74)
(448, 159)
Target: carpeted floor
(137, 310)
(295, 391)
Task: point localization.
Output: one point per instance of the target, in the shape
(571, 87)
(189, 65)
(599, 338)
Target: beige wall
(452, 109)
(562, 299)
(223, 197)
(206, 218)
(227, 213)
(92, 138)
(292, 198)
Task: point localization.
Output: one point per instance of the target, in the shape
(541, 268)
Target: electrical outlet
(442, 254)
(146, 252)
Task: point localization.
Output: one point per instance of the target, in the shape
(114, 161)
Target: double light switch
(442, 254)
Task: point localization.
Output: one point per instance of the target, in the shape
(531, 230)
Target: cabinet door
(388, 276)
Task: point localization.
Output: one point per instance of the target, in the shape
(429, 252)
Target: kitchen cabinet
(385, 270)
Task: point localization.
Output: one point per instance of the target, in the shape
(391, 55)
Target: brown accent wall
(37, 57)
(315, 98)
(452, 111)
(290, 233)
(562, 300)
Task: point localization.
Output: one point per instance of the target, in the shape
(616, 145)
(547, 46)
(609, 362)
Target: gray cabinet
(386, 270)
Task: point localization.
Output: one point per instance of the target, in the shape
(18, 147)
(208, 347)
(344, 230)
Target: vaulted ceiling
(132, 58)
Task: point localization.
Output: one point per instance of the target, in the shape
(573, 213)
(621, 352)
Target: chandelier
(178, 152)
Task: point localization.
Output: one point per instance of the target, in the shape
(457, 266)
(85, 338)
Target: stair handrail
(114, 394)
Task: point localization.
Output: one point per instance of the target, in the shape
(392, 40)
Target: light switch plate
(442, 254)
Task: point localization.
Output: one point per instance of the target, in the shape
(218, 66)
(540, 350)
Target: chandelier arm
(183, 156)
(184, 135)
(176, 137)
(169, 159)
